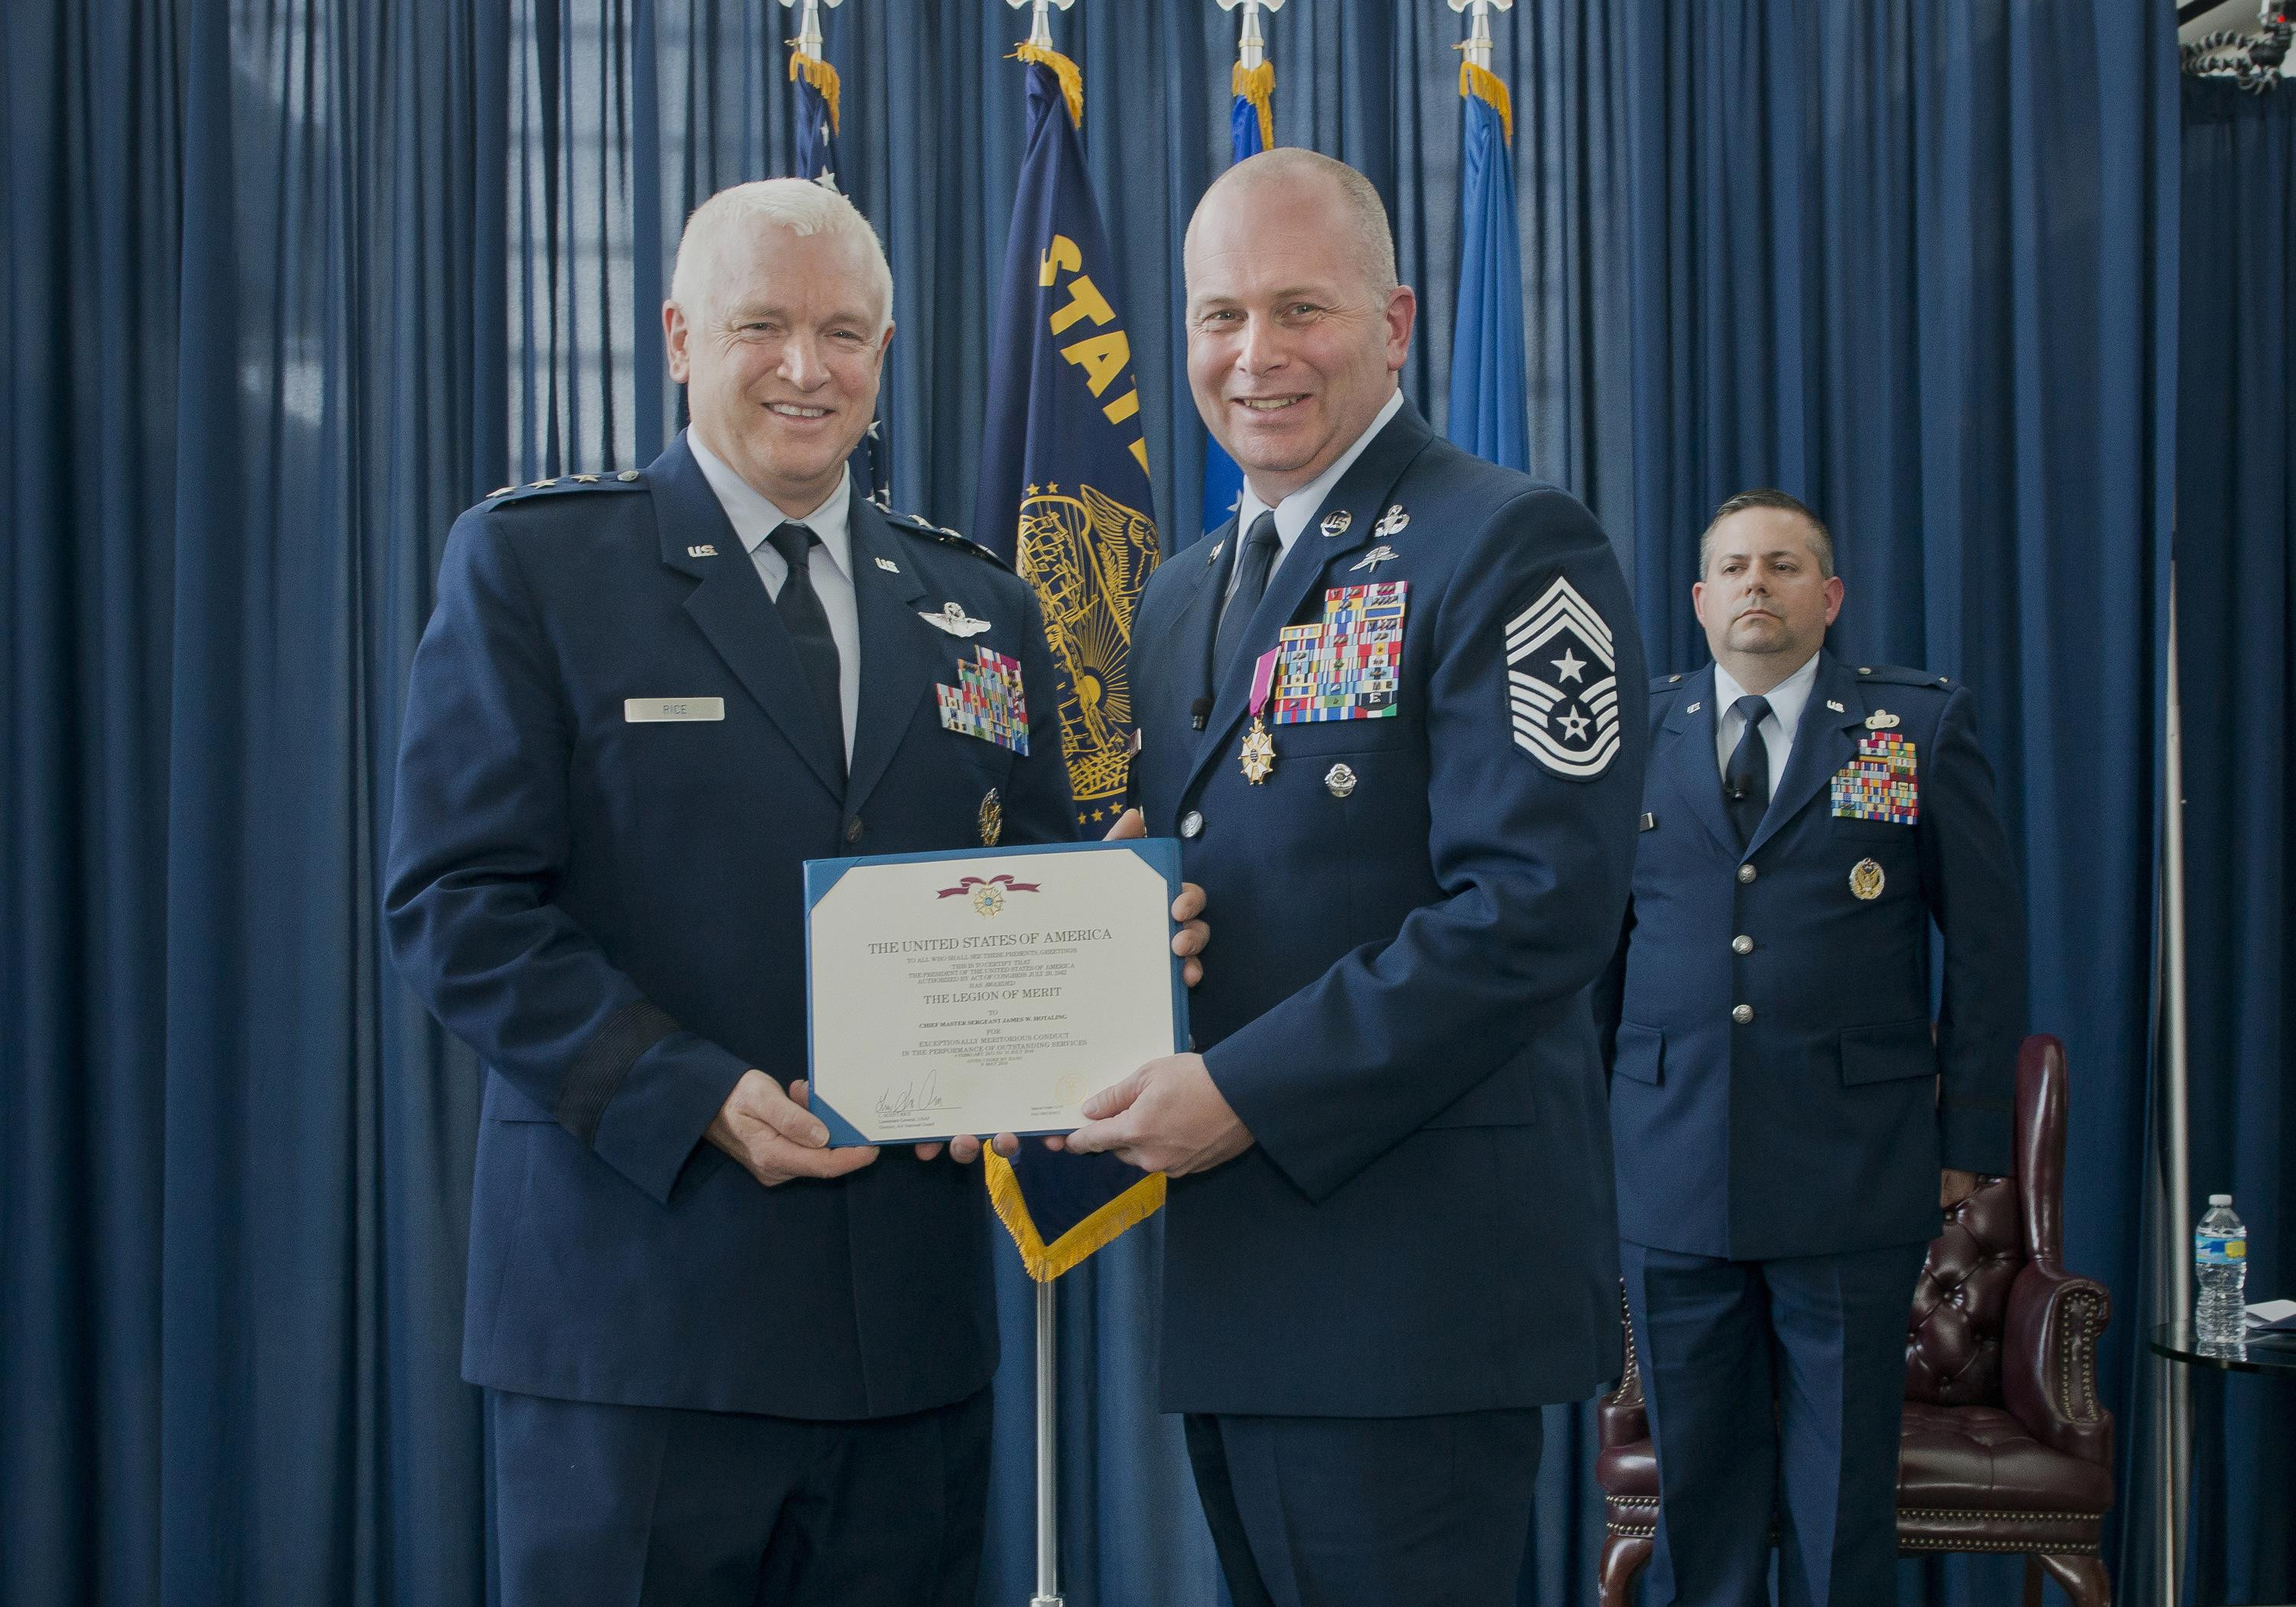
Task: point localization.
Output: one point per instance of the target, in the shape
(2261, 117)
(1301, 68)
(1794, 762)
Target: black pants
(621, 1505)
(1368, 1511)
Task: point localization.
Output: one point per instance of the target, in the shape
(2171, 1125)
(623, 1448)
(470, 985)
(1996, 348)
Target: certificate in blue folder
(990, 991)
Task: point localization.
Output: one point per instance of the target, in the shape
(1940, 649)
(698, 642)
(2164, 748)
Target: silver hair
(796, 204)
(1370, 239)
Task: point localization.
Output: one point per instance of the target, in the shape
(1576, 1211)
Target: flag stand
(1048, 1492)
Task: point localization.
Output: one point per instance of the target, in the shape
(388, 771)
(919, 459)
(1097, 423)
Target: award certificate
(989, 990)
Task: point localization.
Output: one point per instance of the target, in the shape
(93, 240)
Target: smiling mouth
(793, 410)
(1267, 404)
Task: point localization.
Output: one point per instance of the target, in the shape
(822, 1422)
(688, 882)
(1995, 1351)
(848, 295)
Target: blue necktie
(1258, 552)
(800, 607)
(1746, 783)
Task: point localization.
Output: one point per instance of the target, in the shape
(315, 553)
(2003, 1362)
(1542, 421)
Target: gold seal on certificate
(988, 990)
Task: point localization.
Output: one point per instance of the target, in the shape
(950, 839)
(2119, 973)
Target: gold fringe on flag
(1482, 81)
(1071, 75)
(821, 75)
(1044, 1261)
(1257, 85)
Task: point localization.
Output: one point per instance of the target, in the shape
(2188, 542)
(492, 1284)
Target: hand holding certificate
(988, 990)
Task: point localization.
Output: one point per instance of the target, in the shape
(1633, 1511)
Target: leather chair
(2005, 1447)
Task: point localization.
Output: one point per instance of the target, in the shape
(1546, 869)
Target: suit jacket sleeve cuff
(652, 1126)
(1974, 1138)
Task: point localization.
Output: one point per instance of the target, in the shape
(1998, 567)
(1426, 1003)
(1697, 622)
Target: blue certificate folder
(1161, 853)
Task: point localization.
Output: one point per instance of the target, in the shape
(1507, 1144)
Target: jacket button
(853, 830)
(1743, 1015)
(1742, 945)
(1745, 872)
(1192, 824)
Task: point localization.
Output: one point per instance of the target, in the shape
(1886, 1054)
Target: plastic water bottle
(2220, 1268)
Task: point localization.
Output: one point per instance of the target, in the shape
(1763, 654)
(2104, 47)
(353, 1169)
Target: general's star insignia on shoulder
(953, 619)
(1563, 690)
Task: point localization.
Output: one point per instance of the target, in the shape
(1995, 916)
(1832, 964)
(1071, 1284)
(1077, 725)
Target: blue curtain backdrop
(2236, 644)
(287, 285)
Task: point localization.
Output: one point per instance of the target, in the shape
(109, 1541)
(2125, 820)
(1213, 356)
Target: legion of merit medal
(1865, 879)
(1259, 754)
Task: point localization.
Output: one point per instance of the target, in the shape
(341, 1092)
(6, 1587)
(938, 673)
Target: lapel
(1823, 742)
(731, 606)
(1197, 616)
(900, 653)
(1688, 759)
(1363, 493)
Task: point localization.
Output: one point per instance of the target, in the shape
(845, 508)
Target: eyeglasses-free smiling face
(781, 362)
(1292, 349)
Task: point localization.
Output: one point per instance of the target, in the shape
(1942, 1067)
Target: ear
(1833, 595)
(674, 333)
(1402, 312)
(1698, 601)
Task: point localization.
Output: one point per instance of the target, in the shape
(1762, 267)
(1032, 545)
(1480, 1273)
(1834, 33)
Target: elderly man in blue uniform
(723, 1363)
(1393, 710)
(1787, 1123)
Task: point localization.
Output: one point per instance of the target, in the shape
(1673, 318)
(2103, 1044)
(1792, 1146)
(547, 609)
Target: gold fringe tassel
(1257, 85)
(1044, 1261)
(821, 75)
(1071, 75)
(1482, 81)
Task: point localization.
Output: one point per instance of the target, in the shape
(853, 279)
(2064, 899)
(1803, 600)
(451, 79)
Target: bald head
(1348, 200)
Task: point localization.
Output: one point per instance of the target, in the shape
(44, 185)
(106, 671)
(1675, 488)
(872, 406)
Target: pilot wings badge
(953, 619)
(1563, 690)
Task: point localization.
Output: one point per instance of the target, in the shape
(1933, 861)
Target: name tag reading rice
(639, 711)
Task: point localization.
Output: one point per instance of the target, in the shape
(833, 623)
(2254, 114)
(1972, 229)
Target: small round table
(2265, 1353)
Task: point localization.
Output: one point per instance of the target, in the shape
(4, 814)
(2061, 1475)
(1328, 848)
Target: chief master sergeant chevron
(1394, 711)
(723, 1363)
(1786, 1124)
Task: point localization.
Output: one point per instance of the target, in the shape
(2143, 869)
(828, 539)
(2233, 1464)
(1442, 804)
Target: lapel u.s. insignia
(992, 819)
(953, 619)
(1336, 522)
(889, 566)
(1562, 688)
(1866, 879)
(704, 551)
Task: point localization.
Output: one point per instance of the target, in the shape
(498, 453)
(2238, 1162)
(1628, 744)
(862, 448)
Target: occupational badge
(1258, 752)
(1866, 879)
(992, 819)
(1339, 780)
(1382, 553)
(1562, 685)
(1882, 784)
(1882, 719)
(1392, 521)
(953, 619)
(1350, 666)
(987, 701)
(1336, 522)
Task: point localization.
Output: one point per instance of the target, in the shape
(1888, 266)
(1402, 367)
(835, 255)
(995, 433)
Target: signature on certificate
(921, 1095)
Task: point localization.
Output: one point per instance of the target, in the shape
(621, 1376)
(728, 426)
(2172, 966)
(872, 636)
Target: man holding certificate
(1394, 712)
(724, 1361)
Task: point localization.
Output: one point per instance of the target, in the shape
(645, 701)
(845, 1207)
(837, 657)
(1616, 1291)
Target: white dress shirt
(828, 565)
(1293, 512)
(1787, 699)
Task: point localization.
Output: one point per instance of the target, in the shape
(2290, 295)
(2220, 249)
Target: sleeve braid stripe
(597, 1072)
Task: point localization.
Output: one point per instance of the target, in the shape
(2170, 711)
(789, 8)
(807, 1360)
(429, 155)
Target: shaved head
(1362, 234)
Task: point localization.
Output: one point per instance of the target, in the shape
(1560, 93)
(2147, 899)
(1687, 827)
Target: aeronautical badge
(953, 619)
(992, 820)
(1866, 879)
(1562, 688)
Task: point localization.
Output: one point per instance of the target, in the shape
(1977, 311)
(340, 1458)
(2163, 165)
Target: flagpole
(1048, 1488)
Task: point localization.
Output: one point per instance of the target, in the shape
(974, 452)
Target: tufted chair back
(1953, 1340)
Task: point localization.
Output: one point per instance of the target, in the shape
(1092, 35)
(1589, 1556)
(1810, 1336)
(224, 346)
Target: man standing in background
(1785, 1121)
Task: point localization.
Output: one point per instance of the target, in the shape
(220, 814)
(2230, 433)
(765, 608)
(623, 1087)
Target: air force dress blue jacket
(1408, 912)
(1776, 1090)
(607, 909)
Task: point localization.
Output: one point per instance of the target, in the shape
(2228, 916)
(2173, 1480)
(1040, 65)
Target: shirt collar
(1787, 698)
(1293, 512)
(755, 516)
